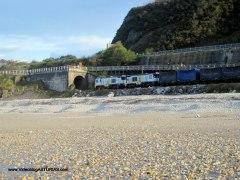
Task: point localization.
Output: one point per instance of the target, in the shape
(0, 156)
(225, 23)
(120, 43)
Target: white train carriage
(101, 82)
(117, 82)
(132, 81)
(149, 79)
(126, 81)
(110, 82)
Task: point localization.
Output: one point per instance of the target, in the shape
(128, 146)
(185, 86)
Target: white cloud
(2, 56)
(32, 47)
(89, 41)
(27, 43)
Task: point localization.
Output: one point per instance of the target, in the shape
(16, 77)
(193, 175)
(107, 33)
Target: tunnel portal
(80, 83)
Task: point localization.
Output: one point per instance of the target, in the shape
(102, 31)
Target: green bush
(6, 83)
(54, 62)
(117, 55)
(15, 65)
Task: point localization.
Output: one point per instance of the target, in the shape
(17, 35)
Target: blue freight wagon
(214, 74)
(231, 73)
(167, 77)
(187, 76)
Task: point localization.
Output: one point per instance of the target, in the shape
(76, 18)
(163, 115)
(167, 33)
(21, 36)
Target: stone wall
(91, 80)
(57, 81)
(194, 58)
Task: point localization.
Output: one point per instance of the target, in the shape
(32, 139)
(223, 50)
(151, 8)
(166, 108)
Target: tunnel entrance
(80, 83)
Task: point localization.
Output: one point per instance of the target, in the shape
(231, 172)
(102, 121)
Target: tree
(117, 55)
(53, 62)
(14, 65)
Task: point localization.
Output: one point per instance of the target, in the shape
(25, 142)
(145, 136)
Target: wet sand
(193, 136)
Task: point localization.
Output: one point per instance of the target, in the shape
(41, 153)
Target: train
(170, 77)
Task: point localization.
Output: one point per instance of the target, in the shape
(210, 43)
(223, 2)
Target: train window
(150, 77)
(134, 79)
(123, 78)
(113, 81)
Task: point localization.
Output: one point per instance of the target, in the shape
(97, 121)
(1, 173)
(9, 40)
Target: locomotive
(170, 77)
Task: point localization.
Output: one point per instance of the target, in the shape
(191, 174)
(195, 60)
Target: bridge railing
(158, 67)
(42, 70)
(114, 68)
(34, 71)
(194, 49)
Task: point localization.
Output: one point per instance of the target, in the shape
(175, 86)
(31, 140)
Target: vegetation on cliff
(54, 62)
(14, 65)
(180, 23)
(49, 62)
(115, 55)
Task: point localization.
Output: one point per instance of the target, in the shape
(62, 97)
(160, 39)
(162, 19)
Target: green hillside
(180, 23)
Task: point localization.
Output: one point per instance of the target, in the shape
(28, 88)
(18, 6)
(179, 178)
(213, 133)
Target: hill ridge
(179, 24)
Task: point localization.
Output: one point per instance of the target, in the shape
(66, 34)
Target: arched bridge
(55, 78)
(60, 78)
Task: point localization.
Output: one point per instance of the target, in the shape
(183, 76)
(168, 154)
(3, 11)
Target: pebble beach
(132, 137)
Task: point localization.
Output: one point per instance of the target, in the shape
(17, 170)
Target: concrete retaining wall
(194, 58)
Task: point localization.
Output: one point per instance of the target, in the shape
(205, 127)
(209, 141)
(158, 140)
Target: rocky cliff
(180, 23)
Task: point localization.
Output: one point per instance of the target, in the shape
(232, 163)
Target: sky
(38, 29)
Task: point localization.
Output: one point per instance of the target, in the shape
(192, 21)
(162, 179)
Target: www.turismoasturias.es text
(37, 169)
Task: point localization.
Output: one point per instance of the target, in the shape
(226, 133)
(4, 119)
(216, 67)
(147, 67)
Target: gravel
(195, 137)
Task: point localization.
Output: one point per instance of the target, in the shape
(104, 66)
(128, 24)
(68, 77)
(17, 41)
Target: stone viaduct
(56, 78)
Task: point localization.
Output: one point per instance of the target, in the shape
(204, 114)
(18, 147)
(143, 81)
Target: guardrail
(35, 71)
(194, 49)
(113, 68)
(43, 70)
(158, 67)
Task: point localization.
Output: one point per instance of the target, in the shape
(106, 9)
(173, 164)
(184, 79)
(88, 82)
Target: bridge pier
(56, 81)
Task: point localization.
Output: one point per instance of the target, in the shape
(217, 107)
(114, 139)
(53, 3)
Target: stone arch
(80, 82)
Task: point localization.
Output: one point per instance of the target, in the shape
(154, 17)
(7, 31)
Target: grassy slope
(35, 90)
(179, 24)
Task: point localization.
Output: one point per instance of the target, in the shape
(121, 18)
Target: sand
(159, 137)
